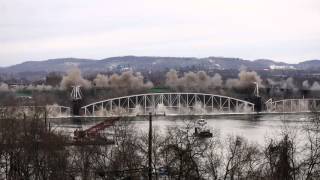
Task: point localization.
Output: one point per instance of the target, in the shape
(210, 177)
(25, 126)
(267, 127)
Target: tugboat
(201, 122)
(201, 130)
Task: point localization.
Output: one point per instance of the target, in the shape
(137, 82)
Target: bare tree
(310, 165)
(242, 159)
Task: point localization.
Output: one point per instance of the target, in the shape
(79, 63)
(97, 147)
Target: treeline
(56, 87)
(30, 149)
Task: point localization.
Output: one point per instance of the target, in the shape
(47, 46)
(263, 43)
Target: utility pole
(150, 144)
(150, 147)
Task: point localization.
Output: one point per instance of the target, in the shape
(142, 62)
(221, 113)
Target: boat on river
(201, 130)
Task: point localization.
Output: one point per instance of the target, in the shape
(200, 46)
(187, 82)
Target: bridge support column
(128, 107)
(136, 102)
(76, 107)
(220, 104)
(212, 104)
(145, 104)
(187, 101)
(179, 104)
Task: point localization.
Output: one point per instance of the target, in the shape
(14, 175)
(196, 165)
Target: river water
(256, 128)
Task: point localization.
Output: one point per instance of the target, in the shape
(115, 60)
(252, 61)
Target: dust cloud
(191, 81)
(127, 81)
(74, 78)
(246, 79)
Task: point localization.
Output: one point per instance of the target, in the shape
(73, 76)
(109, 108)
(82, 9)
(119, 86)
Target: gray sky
(283, 30)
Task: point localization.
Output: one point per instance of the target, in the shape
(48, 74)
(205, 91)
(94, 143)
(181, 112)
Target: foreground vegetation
(31, 150)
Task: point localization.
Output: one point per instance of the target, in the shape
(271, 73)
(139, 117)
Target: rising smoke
(74, 78)
(246, 79)
(101, 81)
(288, 84)
(4, 87)
(305, 84)
(284, 87)
(191, 81)
(125, 82)
(315, 86)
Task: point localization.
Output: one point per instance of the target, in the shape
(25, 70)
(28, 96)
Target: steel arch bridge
(293, 105)
(168, 104)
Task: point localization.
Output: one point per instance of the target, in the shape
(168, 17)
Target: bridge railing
(168, 103)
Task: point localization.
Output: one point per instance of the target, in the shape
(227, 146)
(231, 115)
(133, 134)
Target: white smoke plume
(191, 81)
(217, 80)
(305, 84)
(315, 86)
(172, 79)
(101, 81)
(271, 82)
(246, 79)
(125, 82)
(4, 87)
(288, 84)
(74, 78)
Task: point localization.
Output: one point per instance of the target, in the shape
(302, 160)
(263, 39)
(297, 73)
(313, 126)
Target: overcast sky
(283, 30)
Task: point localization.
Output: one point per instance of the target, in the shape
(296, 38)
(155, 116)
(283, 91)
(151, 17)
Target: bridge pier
(76, 106)
(257, 104)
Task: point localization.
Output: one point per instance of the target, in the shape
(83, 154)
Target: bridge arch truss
(293, 105)
(169, 104)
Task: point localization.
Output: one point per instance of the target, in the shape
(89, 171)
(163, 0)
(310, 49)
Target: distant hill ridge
(152, 63)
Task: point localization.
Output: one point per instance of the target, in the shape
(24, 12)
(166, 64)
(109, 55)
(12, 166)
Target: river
(256, 128)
